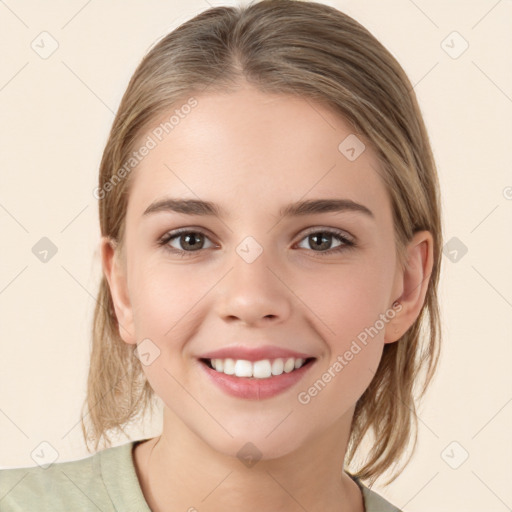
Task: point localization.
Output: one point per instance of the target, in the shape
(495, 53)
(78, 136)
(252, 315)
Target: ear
(413, 283)
(115, 274)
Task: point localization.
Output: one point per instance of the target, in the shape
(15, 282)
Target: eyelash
(347, 243)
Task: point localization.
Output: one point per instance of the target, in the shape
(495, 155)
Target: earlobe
(414, 285)
(116, 278)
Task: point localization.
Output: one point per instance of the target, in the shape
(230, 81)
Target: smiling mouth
(263, 369)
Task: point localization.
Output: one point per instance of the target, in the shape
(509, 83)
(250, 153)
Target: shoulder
(374, 502)
(85, 484)
(56, 487)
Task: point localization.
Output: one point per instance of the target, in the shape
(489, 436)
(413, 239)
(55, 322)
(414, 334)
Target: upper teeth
(258, 369)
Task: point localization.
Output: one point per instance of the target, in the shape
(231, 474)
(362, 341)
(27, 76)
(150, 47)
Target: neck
(179, 471)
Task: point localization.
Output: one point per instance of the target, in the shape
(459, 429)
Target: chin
(252, 446)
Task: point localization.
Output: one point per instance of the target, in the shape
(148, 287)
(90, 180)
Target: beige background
(56, 114)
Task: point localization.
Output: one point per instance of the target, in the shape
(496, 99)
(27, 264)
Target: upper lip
(254, 353)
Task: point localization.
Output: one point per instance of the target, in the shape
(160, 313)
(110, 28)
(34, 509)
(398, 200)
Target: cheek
(347, 305)
(165, 298)
(347, 299)
(166, 304)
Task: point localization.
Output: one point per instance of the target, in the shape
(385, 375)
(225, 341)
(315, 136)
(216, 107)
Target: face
(315, 283)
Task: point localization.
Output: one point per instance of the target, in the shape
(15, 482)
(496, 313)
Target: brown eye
(185, 241)
(322, 241)
(191, 241)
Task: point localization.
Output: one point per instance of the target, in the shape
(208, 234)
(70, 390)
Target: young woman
(271, 237)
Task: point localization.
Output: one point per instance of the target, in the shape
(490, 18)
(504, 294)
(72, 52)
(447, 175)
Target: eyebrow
(300, 208)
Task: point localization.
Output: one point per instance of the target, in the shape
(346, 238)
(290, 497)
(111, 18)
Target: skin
(235, 149)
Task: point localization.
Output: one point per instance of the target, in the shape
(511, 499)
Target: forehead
(255, 150)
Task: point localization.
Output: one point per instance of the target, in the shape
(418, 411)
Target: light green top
(106, 482)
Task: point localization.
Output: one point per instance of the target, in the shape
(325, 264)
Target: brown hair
(319, 53)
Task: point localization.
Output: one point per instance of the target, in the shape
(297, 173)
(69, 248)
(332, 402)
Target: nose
(254, 292)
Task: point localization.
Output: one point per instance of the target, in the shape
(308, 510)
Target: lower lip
(252, 388)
